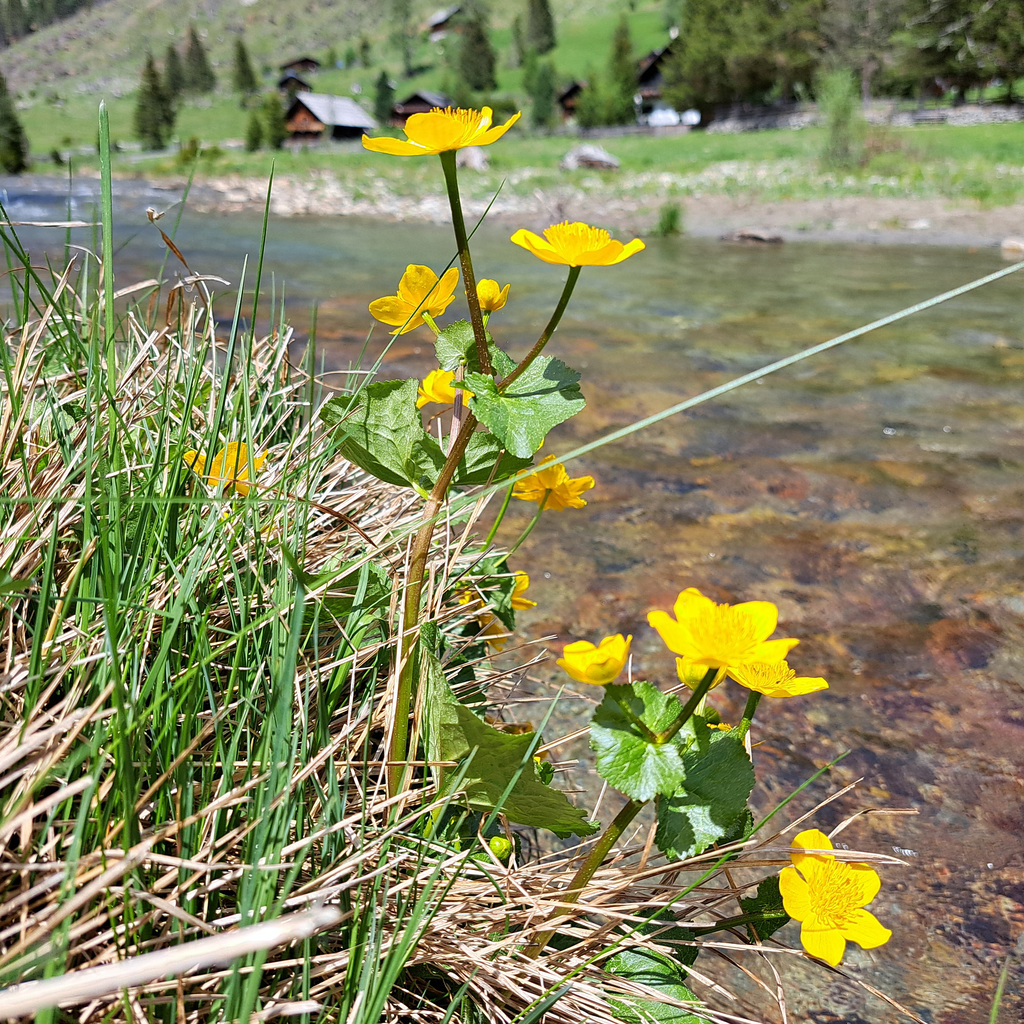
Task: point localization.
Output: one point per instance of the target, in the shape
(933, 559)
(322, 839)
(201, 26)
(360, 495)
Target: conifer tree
(542, 112)
(174, 74)
(243, 78)
(476, 55)
(154, 116)
(199, 76)
(402, 32)
(622, 78)
(518, 43)
(253, 133)
(365, 52)
(383, 99)
(275, 130)
(540, 26)
(13, 144)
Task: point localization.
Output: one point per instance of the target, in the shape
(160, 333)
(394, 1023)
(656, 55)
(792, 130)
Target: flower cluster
(229, 469)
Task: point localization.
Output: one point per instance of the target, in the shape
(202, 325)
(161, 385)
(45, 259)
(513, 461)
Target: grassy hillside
(60, 74)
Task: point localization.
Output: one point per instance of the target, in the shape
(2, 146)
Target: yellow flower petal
(796, 898)
(436, 387)
(720, 635)
(598, 665)
(775, 679)
(576, 245)
(519, 602)
(195, 462)
(420, 291)
(490, 296)
(440, 131)
(821, 939)
(230, 467)
(551, 479)
(866, 930)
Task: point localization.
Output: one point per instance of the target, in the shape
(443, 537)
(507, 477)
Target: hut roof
(333, 110)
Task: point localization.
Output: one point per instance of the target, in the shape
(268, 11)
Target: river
(873, 493)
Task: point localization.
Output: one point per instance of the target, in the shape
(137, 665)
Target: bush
(839, 107)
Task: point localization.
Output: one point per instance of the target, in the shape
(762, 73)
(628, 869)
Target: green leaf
(717, 785)
(482, 452)
(663, 976)
(768, 902)
(496, 770)
(456, 346)
(627, 758)
(548, 393)
(383, 433)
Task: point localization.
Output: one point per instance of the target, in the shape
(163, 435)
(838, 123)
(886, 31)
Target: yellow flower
(775, 679)
(721, 635)
(599, 665)
(492, 298)
(439, 131)
(691, 673)
(576, 245)
(551, 477)
(828, 896)
(419, 292)
(519, 602)
(230, 467)
(437, 387)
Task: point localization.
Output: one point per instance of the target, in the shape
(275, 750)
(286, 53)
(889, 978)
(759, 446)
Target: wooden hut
(418, 103)
(301, 66)
(315, 116)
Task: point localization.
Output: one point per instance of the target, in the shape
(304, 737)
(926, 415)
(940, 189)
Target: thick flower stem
(570, 284)
(399, 747)
(690, 706)
(476, 317)
(740, 919)
(748, 714)
(586, 870)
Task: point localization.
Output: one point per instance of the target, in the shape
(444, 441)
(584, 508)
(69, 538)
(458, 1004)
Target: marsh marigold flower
(437, 387)
(720, 635)
(775, 679)
(420, 291)
(491, 297)
(520, 602)
(563, 491)
(599, 665)
(230, 467)
(576, 245)
(828, 897)
(439, 131)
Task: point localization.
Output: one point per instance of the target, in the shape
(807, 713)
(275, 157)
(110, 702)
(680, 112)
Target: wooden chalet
(301, 66)
(291, 83)
(439, 24)
(314, 116)
(650, 80)
(418, 103)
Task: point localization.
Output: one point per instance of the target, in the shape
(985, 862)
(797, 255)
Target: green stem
(690, 706)
(529, 526)
(501, 514)
(586, 870)
(570, 284)
(476, 318)
(748, 714)
(648, 734)
(399, 747)
(734, 922)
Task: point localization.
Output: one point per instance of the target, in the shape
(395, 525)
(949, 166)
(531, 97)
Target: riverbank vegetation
(262, 754)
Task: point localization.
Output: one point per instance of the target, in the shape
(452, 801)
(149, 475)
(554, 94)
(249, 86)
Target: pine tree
(590, 104)
(15, 19)
(622, 79)
(174, 74)
(253, 133)
(199, 76)
(384, 98)
(365, 52)
(542, 112)
(243, 78)
(518, 43)
(275, 131)
(154, 117)
(540, 26)
(402, 32)
(13, 144)
(476, 55)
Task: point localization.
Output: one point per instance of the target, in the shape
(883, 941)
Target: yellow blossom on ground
(491, 297)
(420, 291)
(599, 665)
(230, 467)
(775, 679)
(565, 491)
(720, 635)
(576, 245)
(439, 131)
(437, 387)
(519, 602)
(828, 897)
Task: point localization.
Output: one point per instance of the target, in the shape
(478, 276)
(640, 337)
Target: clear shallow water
(874, 494)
